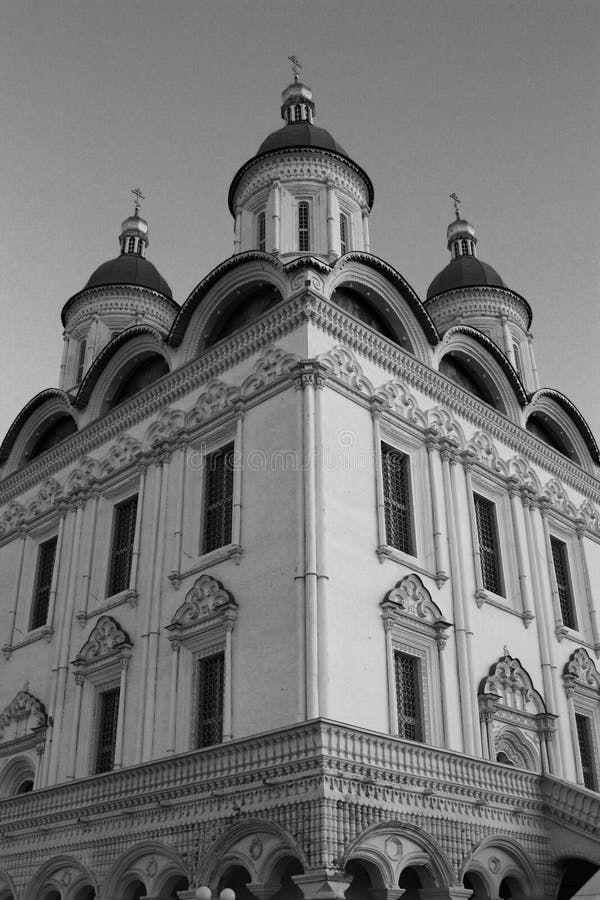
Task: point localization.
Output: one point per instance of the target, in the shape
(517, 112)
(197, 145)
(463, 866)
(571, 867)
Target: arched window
(261, 229)
(58, 431)
(343, 234)
(303, 226)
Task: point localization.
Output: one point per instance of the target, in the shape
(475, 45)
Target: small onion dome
(129, 268)
(464, 269)
(297, 110)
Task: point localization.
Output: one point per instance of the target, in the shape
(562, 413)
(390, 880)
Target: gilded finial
(295, 66)
(456, 200)
(138, 197)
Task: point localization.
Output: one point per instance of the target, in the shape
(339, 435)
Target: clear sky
(494, 99)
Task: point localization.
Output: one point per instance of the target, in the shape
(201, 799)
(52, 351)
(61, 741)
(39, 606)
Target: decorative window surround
(563, 530)
(23, 726)
(582, 685)
(102, 662)
(202, 625)
(414, 625)
(514, 718)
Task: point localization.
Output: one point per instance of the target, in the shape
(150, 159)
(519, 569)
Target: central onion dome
(297, 109)
(301, 192)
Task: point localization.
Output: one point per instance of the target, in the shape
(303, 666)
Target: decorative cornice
(116, 290)
(500, 297)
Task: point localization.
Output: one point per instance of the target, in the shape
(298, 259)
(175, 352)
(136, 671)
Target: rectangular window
(210, 673)
(586, 750)
(43, 584)
(343, 233)
(303, 226)
(107, 730)
(218, 499)
(409, 696)
(517, 354)
(261, 231)
(489, 548)
(81, 360)
(560, 561)
(122, 545)
(397, 501)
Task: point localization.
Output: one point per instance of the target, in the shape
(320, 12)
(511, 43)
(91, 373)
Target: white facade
(388, 723)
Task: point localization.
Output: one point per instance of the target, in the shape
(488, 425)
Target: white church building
(300, 577)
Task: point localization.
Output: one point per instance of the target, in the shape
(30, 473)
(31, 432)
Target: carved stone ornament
(106, 639)
(511, 684)
(580, 672)
(23, 715)
(481, 449)
(410, 602)
(216, 397)
(396, 397)
(207, 598)
(341, 363)
(272, 364)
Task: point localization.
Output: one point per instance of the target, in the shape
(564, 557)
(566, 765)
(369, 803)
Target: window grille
(489, 550)
(297, 113)
(43, 583)
(563, 582)
(122, 545)
(218, 499)
(210, 673)
(261, 231)
(130, 245)
(107, 730)
(586, 750)
(409, 702)
(303, 226)
(343, 234)
(397, 504)
(81, 360)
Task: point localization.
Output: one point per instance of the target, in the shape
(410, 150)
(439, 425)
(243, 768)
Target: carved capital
(480, 598)
(528, 618)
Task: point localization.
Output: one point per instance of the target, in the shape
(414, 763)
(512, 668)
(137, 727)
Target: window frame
(116, 507)
(100, 696)
(261, 231)
(303, 232)
(581, 680)
(573, 625)
(409, 544)
(200, 657)
(225, 448)
(37, 587)
(497, 550)
(593, 768)
(344, 232)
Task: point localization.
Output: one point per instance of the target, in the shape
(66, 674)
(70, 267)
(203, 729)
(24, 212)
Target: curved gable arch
(507, 859)
(227, 850)
(117, 360)
(390, 296)
(485, 362)
(235, 271)
(150, 862)
(35, 419)
(53, 873)
(417, 847)
(250, 289)
(567, 430)
(8, 890)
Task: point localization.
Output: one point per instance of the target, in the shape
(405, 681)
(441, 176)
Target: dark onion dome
(464, 271)
(300, 134)
(129, 269)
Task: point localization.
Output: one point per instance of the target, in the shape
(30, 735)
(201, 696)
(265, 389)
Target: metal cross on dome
(138, 196)
(457, 201)
(295, 66)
